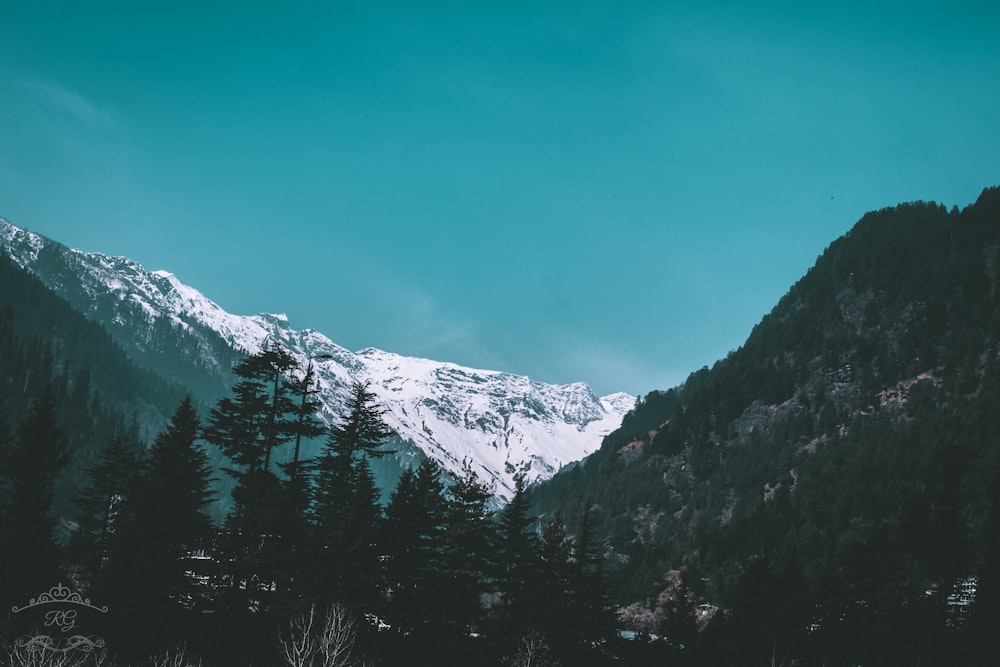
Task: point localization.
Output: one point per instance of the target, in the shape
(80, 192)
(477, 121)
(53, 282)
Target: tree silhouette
(414, 528)
(467, 547)
(346, 515)
(111, 481)
(146, 580)
(517, 576)
(261, 415)
(31, 463)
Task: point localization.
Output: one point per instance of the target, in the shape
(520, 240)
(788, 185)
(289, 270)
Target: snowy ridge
(499, 424)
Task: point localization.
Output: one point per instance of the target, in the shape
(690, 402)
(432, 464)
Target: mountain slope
(861, 411)
(502, 425)
(47, 346)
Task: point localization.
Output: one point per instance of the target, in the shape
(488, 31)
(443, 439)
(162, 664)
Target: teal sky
(613, 192)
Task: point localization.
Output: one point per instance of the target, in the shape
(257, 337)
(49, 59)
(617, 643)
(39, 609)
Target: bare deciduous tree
(329, 642)
(532, 651)
(33, 656)
(177, 657)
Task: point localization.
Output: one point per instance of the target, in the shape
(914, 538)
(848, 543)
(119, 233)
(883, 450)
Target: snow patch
(500, 424)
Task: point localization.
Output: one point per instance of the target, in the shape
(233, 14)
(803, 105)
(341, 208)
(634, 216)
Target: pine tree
(362, 429)
(178, 479)
(336, 473)
(468, 542)
(111, 481)
(414, 525)
(235, 426)
(270, 367)
(258, 547)
(249, 426)
(29, 470)
(303, 425)
(597, 622)
(162, 524)
(345, 511)
(556, 580)
(366, 531)
(334, 479)
(518, 568)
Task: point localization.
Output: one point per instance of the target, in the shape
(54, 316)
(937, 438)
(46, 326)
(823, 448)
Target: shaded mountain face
(47, 348)
(501, 425)
(861, 411)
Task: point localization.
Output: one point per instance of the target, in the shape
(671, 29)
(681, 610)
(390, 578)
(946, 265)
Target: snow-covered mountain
(499, 424)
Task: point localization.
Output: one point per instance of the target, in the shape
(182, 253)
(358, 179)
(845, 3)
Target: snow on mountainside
(499, 424)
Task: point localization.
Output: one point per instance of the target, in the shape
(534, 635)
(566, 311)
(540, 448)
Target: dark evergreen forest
(98, 392)
(828, 494)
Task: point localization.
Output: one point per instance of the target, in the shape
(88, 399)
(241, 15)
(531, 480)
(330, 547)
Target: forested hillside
(308, 564)
(184, 355)
(98, 391)
(828, 483)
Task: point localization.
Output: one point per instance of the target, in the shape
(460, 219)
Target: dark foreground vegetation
(434, 577)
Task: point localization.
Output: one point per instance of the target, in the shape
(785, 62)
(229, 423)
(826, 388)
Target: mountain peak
(501, 424)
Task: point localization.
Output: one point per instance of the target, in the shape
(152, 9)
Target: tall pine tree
(29, 555)
(111, 481)
(520, 611)
(304, 424)
(414, 526)
(346, 515)
(556, 581)
(146, 580)
(468, 545)
(258, 548)
(594, 620)
(262, 414)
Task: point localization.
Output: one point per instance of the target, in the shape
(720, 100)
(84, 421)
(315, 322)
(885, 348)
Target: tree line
(434, 576)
